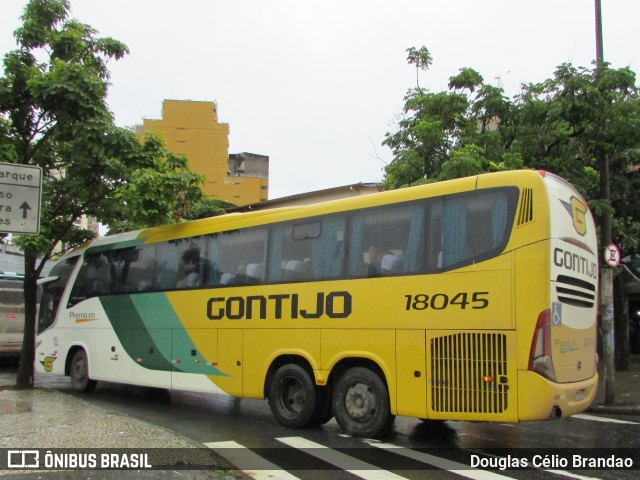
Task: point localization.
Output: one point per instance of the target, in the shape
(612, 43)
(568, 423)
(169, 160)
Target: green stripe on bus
(152, 334)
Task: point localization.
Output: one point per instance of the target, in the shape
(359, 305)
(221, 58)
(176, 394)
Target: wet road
(244, 432)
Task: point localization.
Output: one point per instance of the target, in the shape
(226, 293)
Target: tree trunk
(25, 370)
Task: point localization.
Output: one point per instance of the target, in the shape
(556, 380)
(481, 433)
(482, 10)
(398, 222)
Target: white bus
(11, 314)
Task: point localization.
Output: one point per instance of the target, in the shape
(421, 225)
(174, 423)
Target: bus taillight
(11, 315)
(540, 359)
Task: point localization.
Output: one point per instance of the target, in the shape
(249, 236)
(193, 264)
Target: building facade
(192, 129)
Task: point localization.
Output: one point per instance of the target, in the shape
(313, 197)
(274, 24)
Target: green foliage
(206, 208)
(566, 124)
(53, 114)
(467, 78)
(159, 191)
(421, 58)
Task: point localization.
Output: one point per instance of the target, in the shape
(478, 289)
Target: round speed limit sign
(612, 255)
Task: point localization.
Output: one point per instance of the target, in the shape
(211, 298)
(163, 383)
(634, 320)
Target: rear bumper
(539, 398)
(10, 349)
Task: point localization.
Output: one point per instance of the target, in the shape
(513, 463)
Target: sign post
(20, 198)
(612, 259)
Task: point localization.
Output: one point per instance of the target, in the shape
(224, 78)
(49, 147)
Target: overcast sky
(315, 85)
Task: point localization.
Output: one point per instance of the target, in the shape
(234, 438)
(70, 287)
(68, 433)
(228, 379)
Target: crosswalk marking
(239, 456)
(572, 475)
(594, 418)
(442, 463)
(350, 464)
(260, 468)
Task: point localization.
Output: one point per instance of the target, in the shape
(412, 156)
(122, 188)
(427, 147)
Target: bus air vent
(576, 292)
(469, 373)
(525, 215)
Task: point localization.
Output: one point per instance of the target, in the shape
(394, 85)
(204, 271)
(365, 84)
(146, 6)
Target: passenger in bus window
(374, 263)
(189, 268)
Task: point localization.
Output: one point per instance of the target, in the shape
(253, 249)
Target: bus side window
(386, 241)
(93, 279)
(134, 268)
(469, 227)
(308, 250)
(180, 264)
(290, 258)
(52, 293)
(327, 251)
(237, 257)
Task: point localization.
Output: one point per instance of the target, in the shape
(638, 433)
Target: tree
(564, 125)
(554, 125)
(207, 208)
(421, 58)
(53, 114)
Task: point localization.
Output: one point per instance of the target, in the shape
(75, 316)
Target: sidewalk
(47, 419)
(626, 389)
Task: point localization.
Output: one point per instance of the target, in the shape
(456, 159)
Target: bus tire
(79, 373)
(361, 403)
(292, 396)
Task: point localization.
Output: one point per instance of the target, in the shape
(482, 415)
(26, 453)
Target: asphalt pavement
(626, 391)
(42, 418)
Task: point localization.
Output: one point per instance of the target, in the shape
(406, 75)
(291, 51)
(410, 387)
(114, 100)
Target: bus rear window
(11, 292)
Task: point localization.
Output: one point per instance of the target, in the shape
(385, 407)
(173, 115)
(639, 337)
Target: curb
(615, 409)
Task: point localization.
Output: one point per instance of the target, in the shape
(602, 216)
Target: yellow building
(192, 129)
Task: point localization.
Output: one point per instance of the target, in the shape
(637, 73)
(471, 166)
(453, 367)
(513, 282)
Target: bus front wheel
(79, 373)
(361, 403)
(292, 396)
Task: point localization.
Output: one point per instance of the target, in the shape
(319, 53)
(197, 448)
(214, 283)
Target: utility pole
(606, 272)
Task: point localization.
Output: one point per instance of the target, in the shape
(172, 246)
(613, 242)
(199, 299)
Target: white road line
(603, 419)
(240, 456)
(339, 459)
(442, 463)
(460, 468)
(572, 475)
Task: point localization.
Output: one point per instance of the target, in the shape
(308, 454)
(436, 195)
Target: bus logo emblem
(48, 364)
(578, 212)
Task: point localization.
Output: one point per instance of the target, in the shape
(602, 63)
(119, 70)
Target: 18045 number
(440, 301)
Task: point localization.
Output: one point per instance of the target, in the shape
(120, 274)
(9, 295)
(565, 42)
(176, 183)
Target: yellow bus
(471, 299)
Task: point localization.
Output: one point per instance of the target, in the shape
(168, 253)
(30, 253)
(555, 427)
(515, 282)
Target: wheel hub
(360, 401)
(293, 396)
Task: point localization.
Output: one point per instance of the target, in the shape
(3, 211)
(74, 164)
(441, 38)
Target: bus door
(52, 309)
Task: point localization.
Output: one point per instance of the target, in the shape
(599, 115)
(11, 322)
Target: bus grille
(526, 207)
(576, 292)
(469, 373)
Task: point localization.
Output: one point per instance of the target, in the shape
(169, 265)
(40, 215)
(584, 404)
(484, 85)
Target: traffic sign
(20, 194)
(612, 255)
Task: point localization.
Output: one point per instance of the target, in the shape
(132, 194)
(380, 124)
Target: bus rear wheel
(79, 373)
(292, 396)
(361, 403)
